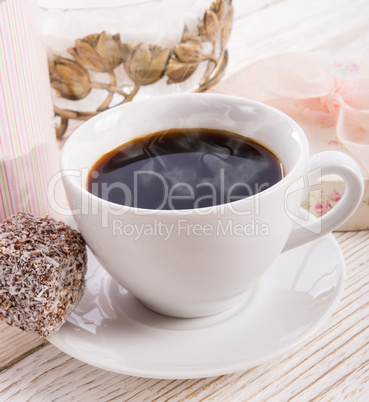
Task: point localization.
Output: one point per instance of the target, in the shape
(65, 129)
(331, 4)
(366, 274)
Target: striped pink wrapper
(29, 154)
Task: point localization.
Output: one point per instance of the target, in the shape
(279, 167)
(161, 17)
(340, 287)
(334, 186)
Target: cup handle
(309, 228)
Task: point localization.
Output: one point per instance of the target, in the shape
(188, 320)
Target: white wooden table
(332, 366)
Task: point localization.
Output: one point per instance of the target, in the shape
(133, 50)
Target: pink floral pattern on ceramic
(326, 204)
(322, 201)
(335, 196)
(345, 69)
(322, 208)
(320, 204)
(333, 143)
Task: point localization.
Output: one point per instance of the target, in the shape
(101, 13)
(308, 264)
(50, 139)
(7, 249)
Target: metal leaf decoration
(144, 64)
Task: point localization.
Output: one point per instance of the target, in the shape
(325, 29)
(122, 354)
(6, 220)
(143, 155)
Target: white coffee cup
(193, 263)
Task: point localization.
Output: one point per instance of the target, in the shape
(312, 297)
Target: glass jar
(105, 53)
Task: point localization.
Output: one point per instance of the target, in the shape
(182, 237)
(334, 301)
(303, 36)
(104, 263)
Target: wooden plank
(296, 26)
(16, 344)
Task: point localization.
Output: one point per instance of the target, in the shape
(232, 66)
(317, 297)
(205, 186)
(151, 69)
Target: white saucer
(110, 329)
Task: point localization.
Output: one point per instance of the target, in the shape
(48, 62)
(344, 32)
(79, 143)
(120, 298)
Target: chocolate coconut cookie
(42, 267)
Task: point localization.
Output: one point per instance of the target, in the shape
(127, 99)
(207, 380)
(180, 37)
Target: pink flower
(335, 196)
(322, 208)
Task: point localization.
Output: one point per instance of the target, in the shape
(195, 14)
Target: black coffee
(184, 169)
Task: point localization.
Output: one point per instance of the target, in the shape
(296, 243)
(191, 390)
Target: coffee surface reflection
(184, 169)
